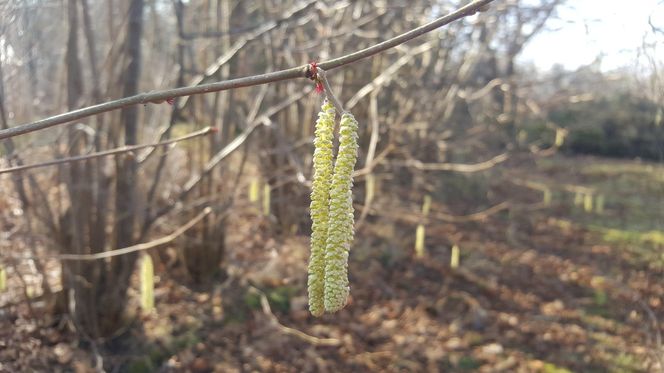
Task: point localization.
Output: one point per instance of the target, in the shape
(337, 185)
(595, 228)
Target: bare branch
(292, 73)
(368, 168)
(226, 151)
(457, 167)
(388, 74)
(213, 69)
(105, 153)
(328, 92)
(441, 216)
(130, 249)
(265, 305)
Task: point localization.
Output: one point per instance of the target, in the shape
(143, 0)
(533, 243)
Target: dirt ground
(547, 282)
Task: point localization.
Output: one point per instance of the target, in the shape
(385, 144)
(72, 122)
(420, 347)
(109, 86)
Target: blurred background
(509, 191)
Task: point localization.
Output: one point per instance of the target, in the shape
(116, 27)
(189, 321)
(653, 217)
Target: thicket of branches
(452, 100)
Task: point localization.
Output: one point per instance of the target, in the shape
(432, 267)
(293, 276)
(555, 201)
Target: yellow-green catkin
(341, 219)
(454, 258)
(147, 284)
(3, 279)
(426, 205)
(319, 208)
(560, 137)
(588, 202)
(419, 241)
(420, 233)
(253, 190)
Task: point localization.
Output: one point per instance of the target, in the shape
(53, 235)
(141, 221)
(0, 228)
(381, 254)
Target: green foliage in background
(619, 126)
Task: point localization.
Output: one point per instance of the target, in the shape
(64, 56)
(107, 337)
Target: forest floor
(565, 275)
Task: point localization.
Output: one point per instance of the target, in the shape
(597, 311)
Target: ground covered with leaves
(560, 270)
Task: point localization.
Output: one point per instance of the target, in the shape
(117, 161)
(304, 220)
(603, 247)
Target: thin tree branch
(316, 341)
(240, 30)
(440, 216)
(122, 149)
(213, 69)
(328, 92)
(368, 168)
(226, 151)
(129, 249)
(371, 152)
(387, 74)
(292, 73)
(457, 167)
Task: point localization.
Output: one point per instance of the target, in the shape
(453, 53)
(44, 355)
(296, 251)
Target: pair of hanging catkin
(331, 212)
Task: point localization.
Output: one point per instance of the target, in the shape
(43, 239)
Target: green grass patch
(552, 368)
(468, 363)
(626, 237)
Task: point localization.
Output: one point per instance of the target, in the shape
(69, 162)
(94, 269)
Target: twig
(388, 73)
(411, 217)
(371, 152)
(288, 74)
(240, 43)
(122, 149)
(265, 305)
(477, 216)
(129, 249)
(457, 167)
(476, 95)
(329, 93)
(368, 168)
(263, 119)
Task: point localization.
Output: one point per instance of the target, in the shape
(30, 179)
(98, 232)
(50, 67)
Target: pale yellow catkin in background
(454, 258)
(560, 137)
(419, 241)
(3, 279)
(588, 202)
(426, 205)
(420, 232)
(253, 190)
(147, 284)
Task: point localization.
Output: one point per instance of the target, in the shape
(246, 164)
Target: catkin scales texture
(340, 231)
(319, 208)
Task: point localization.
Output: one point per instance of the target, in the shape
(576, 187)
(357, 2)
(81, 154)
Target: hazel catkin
(319, 208)
(341, 219)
